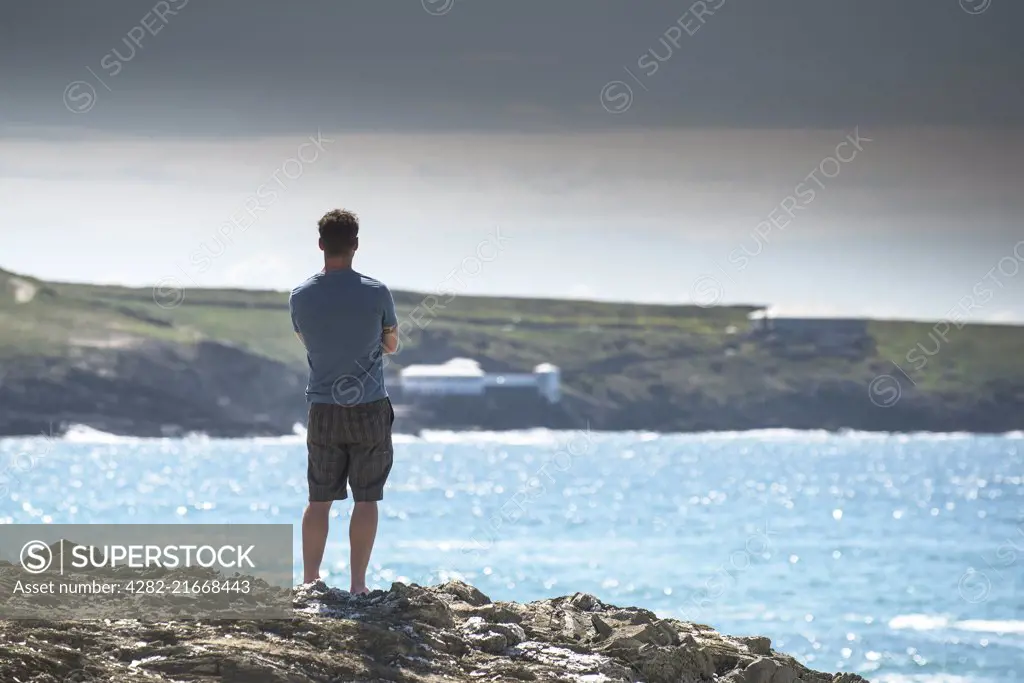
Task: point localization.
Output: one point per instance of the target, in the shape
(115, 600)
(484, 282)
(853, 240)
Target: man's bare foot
(360, 591)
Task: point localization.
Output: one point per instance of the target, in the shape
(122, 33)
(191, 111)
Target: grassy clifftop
(517, 332)
(660, 365)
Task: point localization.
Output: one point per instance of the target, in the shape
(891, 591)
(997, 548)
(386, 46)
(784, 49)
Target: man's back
(347, 323)
(340, 315)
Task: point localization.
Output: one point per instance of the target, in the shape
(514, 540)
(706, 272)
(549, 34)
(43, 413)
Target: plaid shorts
(349, 445)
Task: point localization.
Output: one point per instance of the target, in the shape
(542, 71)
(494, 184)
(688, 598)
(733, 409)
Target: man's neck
(332, 264)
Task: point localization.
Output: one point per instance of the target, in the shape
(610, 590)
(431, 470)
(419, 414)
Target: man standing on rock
(347, 322)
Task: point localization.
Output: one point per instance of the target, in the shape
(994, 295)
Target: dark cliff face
(830, 406)
(154, 389)
(165, 389)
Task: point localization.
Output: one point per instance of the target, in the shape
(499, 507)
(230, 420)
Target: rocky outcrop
(451, 632)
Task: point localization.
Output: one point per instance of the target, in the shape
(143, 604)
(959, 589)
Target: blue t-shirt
(341, 316)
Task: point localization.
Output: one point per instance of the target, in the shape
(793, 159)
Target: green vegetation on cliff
(650, 366)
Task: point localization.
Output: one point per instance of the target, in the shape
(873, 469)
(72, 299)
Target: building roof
(463, 367)
(456, 367)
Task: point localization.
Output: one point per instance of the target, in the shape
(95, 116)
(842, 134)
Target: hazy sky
(846, 158)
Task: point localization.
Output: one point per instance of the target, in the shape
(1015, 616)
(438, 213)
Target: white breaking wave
(994, 626)
(298, 436)
(549, 436)
(824, 435)
(925, 678)
(84, 434)
(555, 437)
(528, 437)
(541, 436)
(936, 622)
(761, 434)
(919, 622)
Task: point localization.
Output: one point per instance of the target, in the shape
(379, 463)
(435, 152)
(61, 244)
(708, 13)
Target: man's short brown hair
(339, 232)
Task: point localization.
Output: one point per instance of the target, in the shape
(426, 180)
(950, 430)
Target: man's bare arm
(389, 339)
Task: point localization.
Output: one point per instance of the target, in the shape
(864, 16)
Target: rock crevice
(450, 632)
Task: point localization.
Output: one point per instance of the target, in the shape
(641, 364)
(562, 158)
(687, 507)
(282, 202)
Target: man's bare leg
(316, 523)
(362, 531)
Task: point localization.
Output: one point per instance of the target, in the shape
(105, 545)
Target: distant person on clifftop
(347, 322)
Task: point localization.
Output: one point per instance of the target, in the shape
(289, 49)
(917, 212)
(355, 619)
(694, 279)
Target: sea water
(898, 557)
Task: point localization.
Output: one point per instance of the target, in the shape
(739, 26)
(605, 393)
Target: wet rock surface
(450, 632)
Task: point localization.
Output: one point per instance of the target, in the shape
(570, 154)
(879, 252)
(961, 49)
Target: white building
(464, 377)
(457, 377)
(549, 381)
